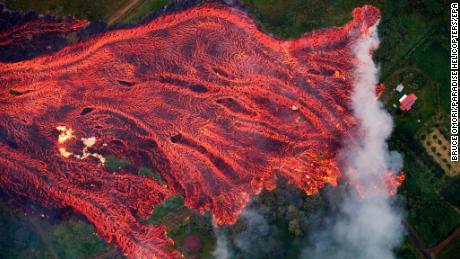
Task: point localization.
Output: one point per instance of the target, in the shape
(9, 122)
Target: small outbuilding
(399, 88)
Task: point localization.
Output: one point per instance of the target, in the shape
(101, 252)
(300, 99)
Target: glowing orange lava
(201, 96)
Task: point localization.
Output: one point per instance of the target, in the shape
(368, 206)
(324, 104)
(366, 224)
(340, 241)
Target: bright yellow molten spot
(64, 152)
(65, 134)
(89, 142)
(339, 74)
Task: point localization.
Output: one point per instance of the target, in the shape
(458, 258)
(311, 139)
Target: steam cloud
(222, 249)
(258, 239)
(366, 225)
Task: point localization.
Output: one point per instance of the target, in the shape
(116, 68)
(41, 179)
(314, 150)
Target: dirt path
(435, 250)
(127, 7)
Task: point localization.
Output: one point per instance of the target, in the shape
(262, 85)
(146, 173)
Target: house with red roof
(407, 101)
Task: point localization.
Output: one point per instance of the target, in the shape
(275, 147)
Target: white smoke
(222, 250)
(367, 225)
(257, 238)
(369, 158)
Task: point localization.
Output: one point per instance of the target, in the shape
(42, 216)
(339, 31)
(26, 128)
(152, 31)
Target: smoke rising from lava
(255, 237)
(367, 224)
(222, 249)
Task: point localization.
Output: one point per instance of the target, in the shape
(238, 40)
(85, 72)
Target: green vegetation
(407, 250)
(32, 236)
(170, 205)
(415, 52)
(412, 53)
(83, 9)
(87, 9)
(449, 191)
(18, 240)
(195, 224)
(144, 9)
(114, 164)
(147, 172)
(429, 214)
(76, 239)
(292, 18)
(286, 216)
(451, 251)
(182, 222)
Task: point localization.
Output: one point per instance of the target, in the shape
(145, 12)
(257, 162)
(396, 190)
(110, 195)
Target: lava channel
(201, 95)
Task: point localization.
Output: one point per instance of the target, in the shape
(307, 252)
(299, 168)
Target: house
(407, 101)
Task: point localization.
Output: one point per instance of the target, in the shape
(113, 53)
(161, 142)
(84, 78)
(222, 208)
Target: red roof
(407, 103)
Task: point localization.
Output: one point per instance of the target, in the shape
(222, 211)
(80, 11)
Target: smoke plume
(256, 238)
(222, 249)
(259, 239)
(367, 224)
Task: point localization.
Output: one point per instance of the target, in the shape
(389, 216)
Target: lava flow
(201, 96)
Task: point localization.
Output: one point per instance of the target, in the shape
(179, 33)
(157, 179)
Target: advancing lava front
(201, 96)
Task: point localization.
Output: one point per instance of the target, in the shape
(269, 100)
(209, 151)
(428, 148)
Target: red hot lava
(201, 96)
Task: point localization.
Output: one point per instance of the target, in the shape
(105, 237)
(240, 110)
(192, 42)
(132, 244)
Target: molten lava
(201, 96)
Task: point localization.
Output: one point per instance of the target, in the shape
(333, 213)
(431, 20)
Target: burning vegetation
(201, 96)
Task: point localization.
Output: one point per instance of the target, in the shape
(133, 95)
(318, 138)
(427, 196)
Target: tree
(294, 227)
